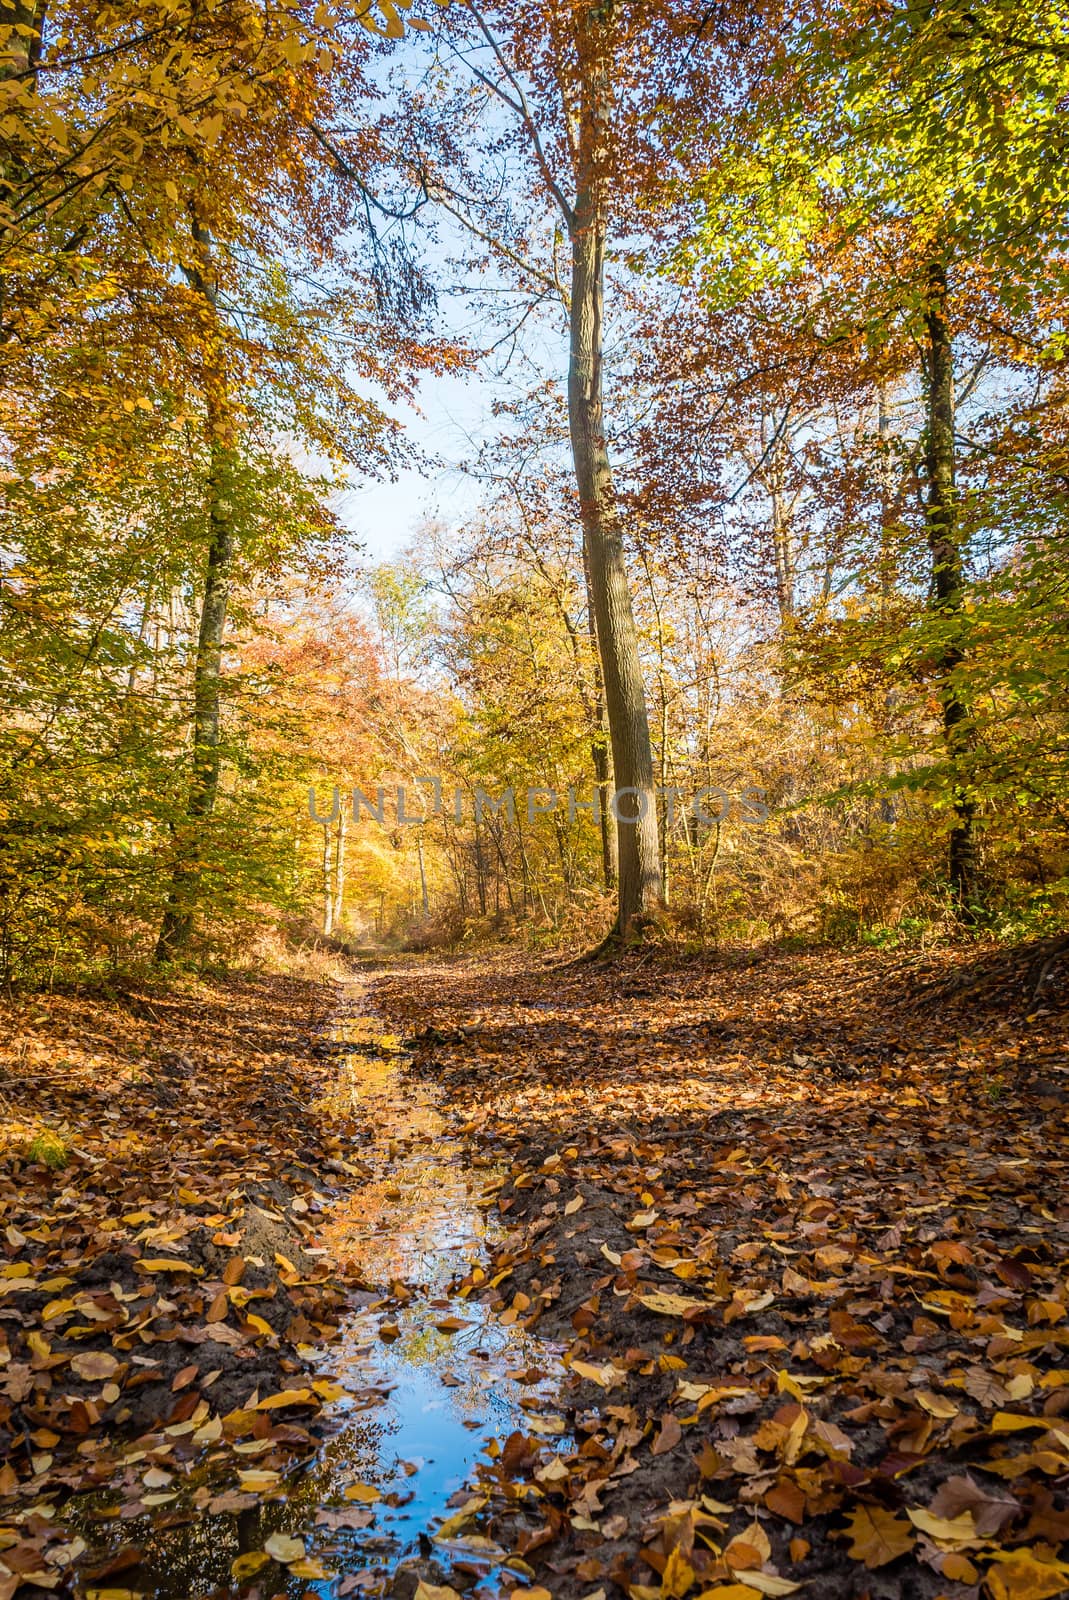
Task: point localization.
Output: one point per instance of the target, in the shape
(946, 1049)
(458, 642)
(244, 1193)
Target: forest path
(419, 1385)
(792, 1227)
(802, 1221)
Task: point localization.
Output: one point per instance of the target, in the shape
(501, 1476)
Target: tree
(878, 152)
(556, 80)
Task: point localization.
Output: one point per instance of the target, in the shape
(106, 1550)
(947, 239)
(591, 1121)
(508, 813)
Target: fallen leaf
(281, 1547)
(1021, 1577)
(877, 1537)
(669, 1436)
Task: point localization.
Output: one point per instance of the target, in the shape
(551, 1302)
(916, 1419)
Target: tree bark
(948, 578)
(21, 56)
(207, 671)
(640, 891)
(424, 897)
(328, 888)
(339, 868)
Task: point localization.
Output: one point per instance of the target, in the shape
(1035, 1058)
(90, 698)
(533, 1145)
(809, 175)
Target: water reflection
(423, 1396)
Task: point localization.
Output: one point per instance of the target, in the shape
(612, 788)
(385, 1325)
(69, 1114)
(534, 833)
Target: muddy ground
(165, 1161)
(796, 1224)
(800, 1221)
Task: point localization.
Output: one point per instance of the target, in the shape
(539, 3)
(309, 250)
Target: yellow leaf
(605, 1376)
(672, 1305)
(57, 1308)
(1010, 1422)
(259, 1479)
(309, 1567)
(365, 1493)
(678, 1575)
(166, 1264)
(452, 1525)
(728, 1591)
(327, 1390)
(1022, 1577)
(959, 1530)
(280, 1547)
(248, 1565)
(936, 1405)
(287, 1397)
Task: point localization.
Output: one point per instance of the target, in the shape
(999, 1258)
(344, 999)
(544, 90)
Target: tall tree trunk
(593, 701)
(601, 749)
(221, 434)
(625, 699)
(480, 869)
(783, 553)
(425, 901)
(328, 887)
(948, 577)
(21, 55)
(339, 867)
(663, 743)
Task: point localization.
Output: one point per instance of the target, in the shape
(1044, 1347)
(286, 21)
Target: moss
(50, 1149)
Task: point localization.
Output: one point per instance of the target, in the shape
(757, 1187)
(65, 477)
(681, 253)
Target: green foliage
(50, 1149)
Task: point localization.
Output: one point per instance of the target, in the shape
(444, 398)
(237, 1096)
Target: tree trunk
(625, 700)
(783, 553)
(339, 868)
(480, 870)
(600, 748)
(22, 53)
(424, 896)
(948, 578)
(207, 671)
(328, 888)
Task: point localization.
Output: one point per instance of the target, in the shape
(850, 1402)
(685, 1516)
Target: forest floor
(162, 1162)
(787, 1231)
(800, 1222)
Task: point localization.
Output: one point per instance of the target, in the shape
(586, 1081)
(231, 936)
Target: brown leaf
(991, 1511)
(669, 1436)
(877, 1537)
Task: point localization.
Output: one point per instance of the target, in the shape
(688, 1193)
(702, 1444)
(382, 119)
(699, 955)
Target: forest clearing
(534, 870)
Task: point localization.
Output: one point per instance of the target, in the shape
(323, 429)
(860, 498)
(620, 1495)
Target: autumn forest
(534, 804)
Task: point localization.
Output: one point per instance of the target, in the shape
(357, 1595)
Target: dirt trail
(804, 1229)
(700, 1281)
(196, 1433)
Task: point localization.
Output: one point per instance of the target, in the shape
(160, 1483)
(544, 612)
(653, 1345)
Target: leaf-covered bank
(802, 1221)
(165, 1156)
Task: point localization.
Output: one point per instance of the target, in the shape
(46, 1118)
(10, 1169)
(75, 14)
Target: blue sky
(385, 515)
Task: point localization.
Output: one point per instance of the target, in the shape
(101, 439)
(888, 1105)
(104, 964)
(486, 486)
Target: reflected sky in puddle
(421, 1401)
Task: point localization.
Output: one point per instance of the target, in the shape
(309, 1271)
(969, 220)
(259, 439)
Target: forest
(534, 802)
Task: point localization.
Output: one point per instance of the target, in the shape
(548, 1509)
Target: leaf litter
(800, 1240)
(801, 1223)
(235, 1365)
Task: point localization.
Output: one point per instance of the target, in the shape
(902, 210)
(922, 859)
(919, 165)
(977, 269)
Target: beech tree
(556, 89)
(874, 152)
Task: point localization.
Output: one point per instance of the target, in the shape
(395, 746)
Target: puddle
(423, 1398)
